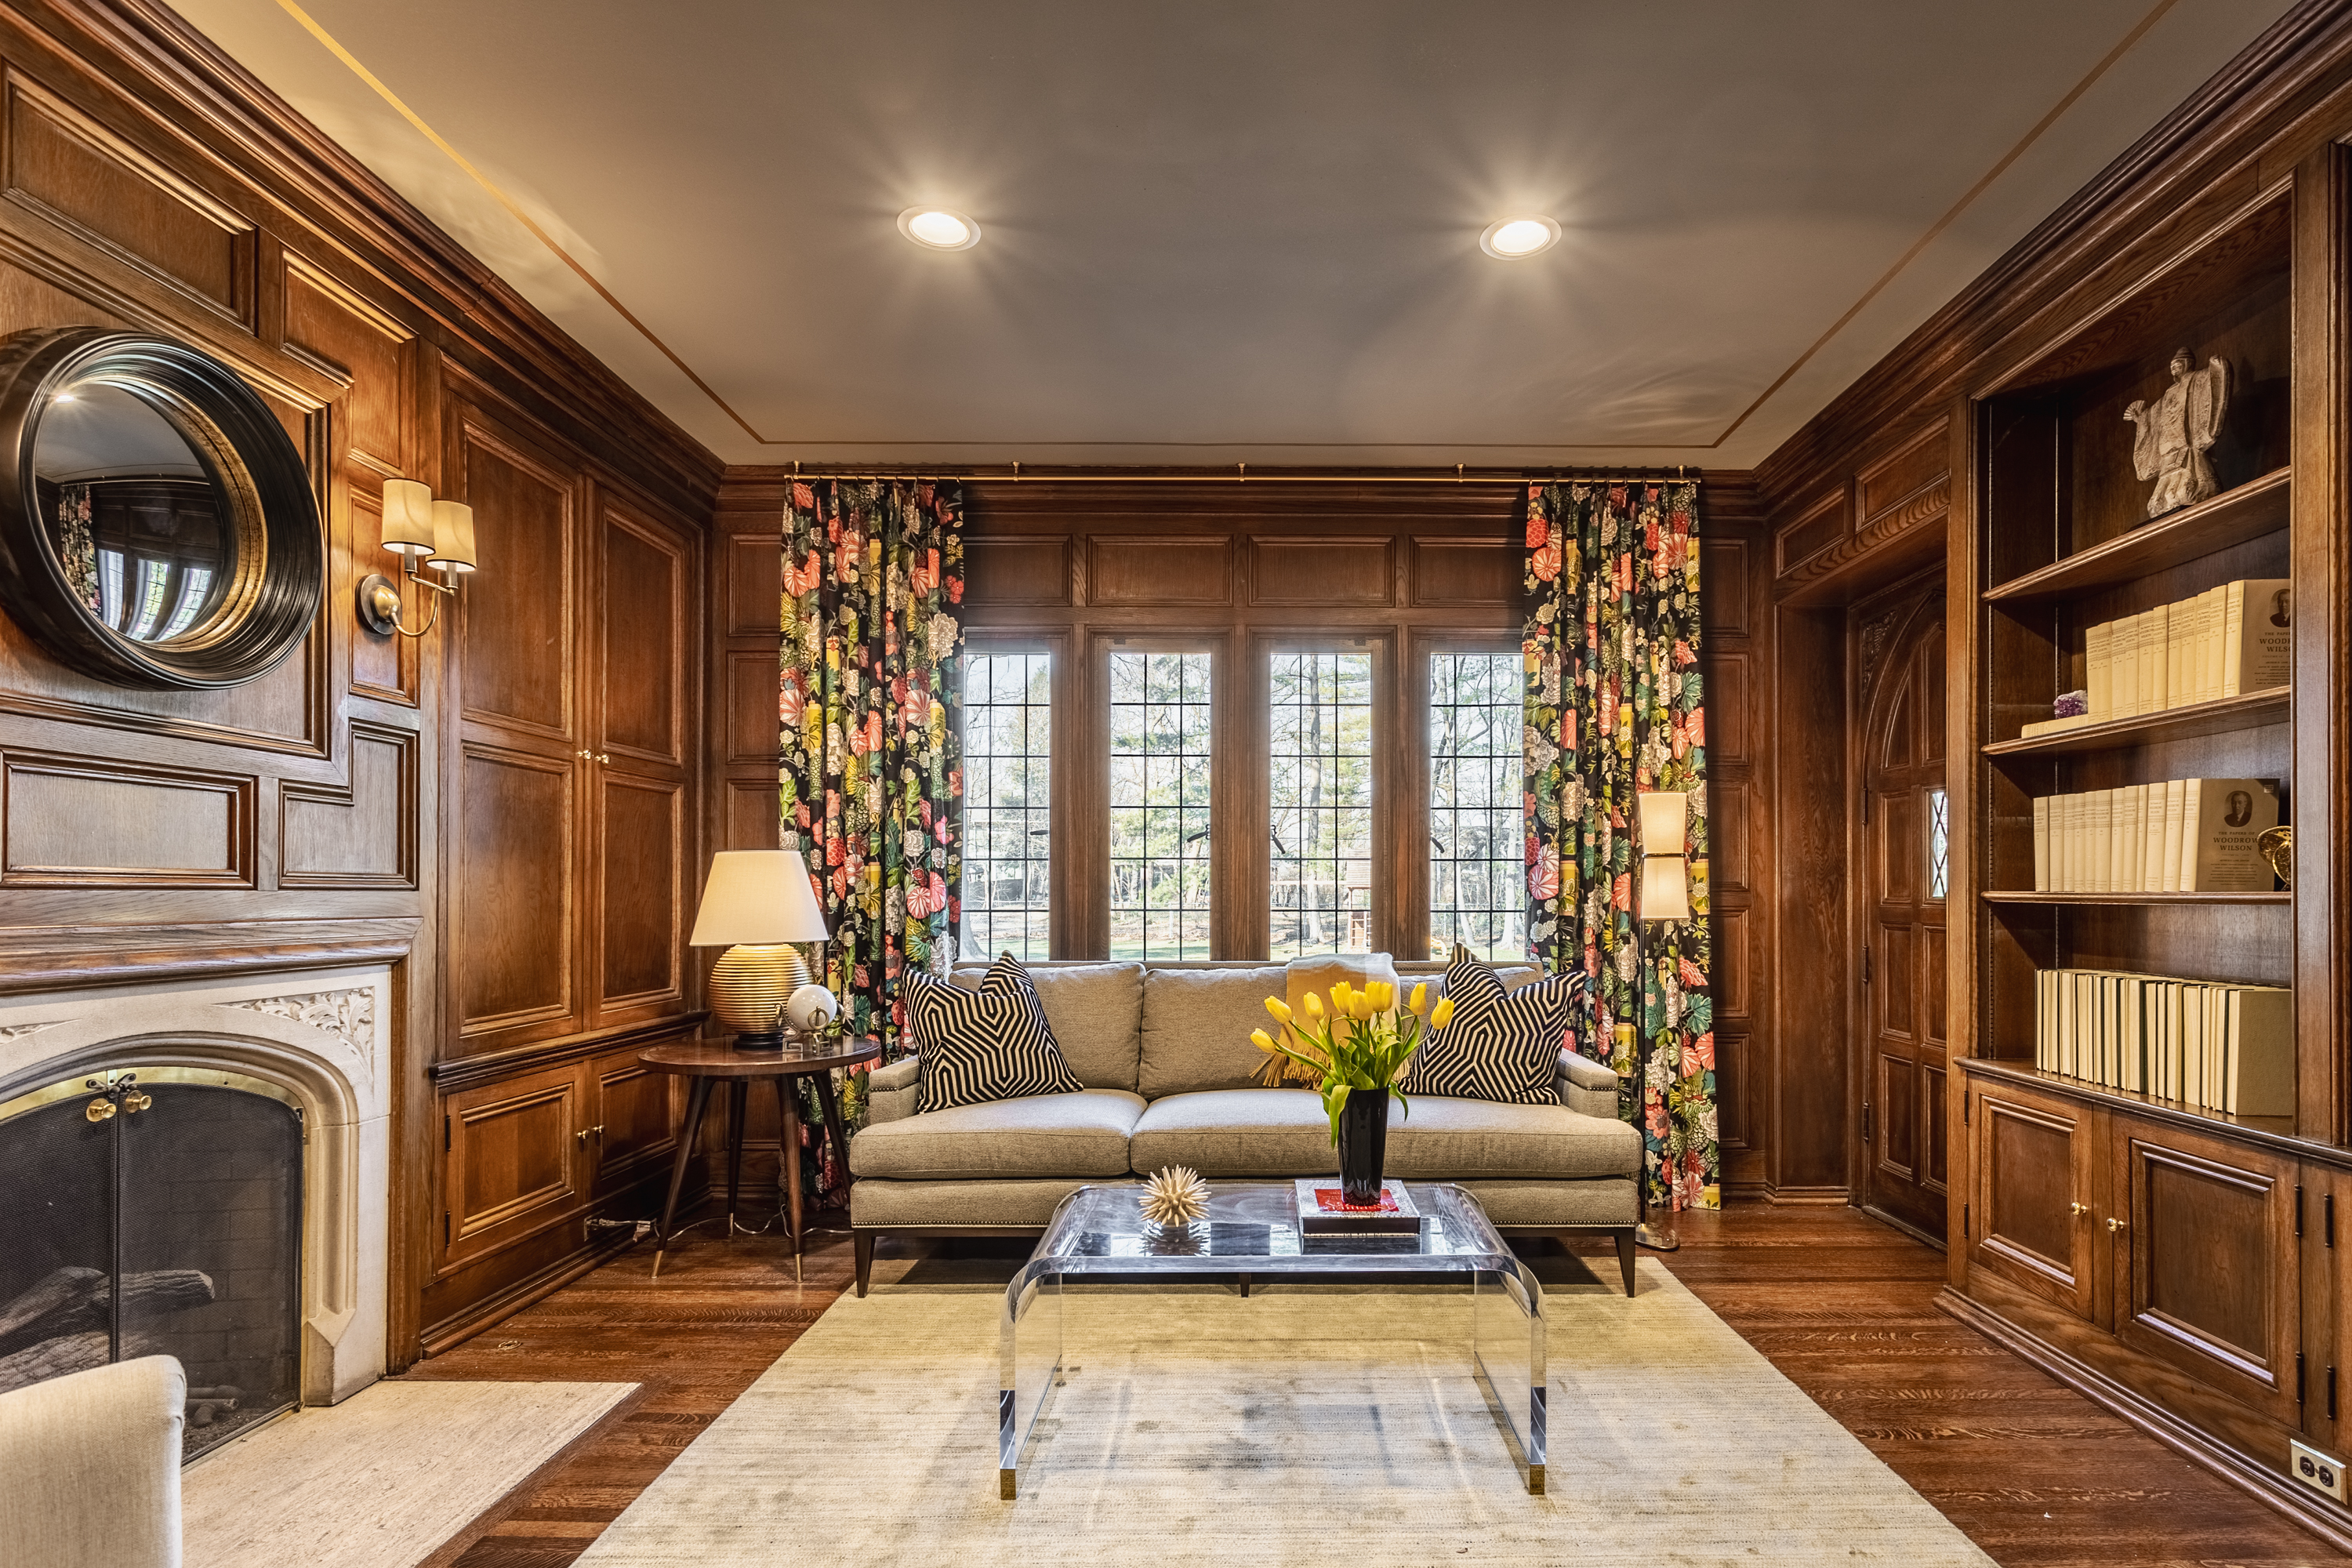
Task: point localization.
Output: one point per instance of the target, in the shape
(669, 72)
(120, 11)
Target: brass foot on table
(658, 1258)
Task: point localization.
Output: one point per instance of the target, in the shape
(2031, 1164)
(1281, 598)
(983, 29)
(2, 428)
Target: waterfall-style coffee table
(1251, 1232)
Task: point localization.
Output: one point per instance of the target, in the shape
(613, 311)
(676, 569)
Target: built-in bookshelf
(2064, 543)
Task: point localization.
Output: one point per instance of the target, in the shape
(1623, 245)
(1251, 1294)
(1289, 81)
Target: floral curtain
(1613, 710)
(871, 771)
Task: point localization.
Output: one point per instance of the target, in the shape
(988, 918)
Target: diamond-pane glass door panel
(1159, 843)
(1319, 793)
(1008, 751)
(1477, 834)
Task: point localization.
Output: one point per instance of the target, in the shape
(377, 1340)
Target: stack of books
(2226, 642)
(2214, 1047)
(2184, 836)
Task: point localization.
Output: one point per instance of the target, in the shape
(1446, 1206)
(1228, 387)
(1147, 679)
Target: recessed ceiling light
(1509, 238)
(936, 229)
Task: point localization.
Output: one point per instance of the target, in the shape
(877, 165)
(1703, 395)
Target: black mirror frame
(36, 366)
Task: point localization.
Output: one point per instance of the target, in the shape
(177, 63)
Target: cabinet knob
(604, 756)
(584, 756)
(2080, 1209)
(2113, 1226)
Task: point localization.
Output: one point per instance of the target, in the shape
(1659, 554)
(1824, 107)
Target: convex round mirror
(156, 525)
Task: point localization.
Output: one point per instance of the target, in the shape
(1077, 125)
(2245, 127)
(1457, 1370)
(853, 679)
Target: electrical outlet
(2320, 1472)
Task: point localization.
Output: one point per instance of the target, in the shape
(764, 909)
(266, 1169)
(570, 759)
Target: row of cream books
(2214, 1047)
(2184, 836)
(2226, 642)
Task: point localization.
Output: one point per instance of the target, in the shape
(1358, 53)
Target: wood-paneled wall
(314, 816)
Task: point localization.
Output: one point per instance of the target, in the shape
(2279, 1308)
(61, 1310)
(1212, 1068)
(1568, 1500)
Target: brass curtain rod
(1241, 475)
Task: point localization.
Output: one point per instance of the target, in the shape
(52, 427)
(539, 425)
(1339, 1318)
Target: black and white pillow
(1499, 1045)
(989, 1044)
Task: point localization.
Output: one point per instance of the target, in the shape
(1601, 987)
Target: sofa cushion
(1079, 1134)
(1500, 1044)
(1236, 1132)
(1440, 1138)
(1097, 1014)
(1196, 1027)
(993, 1043)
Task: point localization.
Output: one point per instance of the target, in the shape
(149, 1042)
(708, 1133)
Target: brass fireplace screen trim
(96, 1080)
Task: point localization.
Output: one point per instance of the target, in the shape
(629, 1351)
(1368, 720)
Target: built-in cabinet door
(514, 1160)
(637, 1110)
(2038, 1188)
(2205, 1260)
(2324, 1208)
(644, 636)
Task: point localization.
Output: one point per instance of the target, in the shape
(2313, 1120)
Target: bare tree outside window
(1159, 843)
(1319, 748)
(1477, 860)
(1008, 732)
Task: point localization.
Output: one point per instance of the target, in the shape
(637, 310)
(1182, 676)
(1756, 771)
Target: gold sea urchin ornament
(1176, 1196)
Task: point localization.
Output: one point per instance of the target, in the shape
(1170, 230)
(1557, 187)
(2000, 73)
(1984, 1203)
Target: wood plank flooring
(2033, 1472)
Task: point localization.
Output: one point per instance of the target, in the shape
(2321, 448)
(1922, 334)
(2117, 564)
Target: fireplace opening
(156, 1210)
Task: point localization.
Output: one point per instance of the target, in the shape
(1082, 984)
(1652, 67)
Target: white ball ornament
(811, 1008)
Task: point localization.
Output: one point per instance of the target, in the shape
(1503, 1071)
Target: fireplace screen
(155, 1211)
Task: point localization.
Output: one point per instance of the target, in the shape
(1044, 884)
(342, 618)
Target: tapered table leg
(739, 1105)
(789, 1104)
(698, 1100)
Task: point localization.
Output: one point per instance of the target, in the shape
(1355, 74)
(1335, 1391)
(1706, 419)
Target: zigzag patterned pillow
(1499, 1045)
(989, 1044)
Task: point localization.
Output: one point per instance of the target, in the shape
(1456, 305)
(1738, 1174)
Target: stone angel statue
(2174, 434)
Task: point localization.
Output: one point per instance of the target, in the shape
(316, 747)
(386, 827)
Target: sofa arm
(1587, 1086)
(890, 1089)
(90, 1467)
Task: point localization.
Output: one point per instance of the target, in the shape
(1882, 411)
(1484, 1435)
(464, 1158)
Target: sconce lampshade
(757, 903)
(453, 536)
(408, 518)
(1665, 822)
(1665, 888)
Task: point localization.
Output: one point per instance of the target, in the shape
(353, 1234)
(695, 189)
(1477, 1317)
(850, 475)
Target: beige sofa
(89, 1468)
(1165, 1055)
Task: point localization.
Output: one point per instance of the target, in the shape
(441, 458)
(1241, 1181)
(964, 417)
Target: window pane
(1478, 869)
(1320, 791)
(1007, 804)
(1939, 844)
(1160, 806)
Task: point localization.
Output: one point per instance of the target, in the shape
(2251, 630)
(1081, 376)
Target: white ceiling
(1237, 230)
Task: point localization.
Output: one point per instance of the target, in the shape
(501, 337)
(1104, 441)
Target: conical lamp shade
(1665, 822)
(758, 896)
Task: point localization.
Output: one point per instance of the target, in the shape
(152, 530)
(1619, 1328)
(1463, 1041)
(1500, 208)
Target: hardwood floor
(2032, 1471)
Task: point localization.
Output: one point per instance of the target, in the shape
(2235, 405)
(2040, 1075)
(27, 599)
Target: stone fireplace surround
(325, 1036)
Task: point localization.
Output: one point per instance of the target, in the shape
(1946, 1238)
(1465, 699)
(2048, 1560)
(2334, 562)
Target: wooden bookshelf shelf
(2248, 712)
(2278, 1131)
(2256, 507)
(2158, 898)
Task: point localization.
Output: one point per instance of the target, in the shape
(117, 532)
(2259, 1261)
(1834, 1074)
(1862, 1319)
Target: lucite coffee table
(1251, 1232)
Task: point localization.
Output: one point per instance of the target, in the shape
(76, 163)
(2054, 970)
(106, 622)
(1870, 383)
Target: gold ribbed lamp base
(748, 986)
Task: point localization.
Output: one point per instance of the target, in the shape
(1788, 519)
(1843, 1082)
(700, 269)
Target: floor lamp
(1661, 893)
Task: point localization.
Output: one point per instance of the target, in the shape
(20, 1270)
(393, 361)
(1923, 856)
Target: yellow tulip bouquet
(1359, 1044)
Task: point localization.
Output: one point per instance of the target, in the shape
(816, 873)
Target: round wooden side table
(706, 1066)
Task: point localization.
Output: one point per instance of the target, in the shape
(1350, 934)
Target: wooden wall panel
(645, 844)
(1175, 569)
(754, 578)
(513, 1159)
(1291, 571)
(516, 890)
(1735, 648)
(517, 618)
(1465, 573)
(749, 819)
(1014, 570)
(342, 334)
(752, 689)
(644, 612)
(99, 185)
(86, 822)
(359, 835)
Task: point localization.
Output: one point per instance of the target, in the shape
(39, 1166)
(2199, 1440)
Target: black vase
(1363, 1147)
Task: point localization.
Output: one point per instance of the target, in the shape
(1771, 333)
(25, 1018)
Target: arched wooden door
(1906, 865)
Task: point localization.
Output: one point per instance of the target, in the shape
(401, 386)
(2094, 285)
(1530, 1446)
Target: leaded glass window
(1477, 870)
(1159, 843)
(1008, 751)
(1939, 844)
(1319, 789)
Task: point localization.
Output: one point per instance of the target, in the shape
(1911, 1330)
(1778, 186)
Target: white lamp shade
(453, 536)
(1665, 822)
(408, 518)
(758, 897)
(1665, 887)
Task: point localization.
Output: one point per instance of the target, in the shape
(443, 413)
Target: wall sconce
(1665, 875)
(417, 528)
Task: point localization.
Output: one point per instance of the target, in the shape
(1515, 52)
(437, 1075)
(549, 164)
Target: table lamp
(757, 903)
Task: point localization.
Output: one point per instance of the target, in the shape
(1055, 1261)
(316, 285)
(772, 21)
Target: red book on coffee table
(1323, 1210)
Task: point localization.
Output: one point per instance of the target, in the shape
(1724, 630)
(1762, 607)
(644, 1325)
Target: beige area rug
(383, 1479)
(1301, 1427)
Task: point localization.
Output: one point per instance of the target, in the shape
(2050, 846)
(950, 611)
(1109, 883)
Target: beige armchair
(89, 1468)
